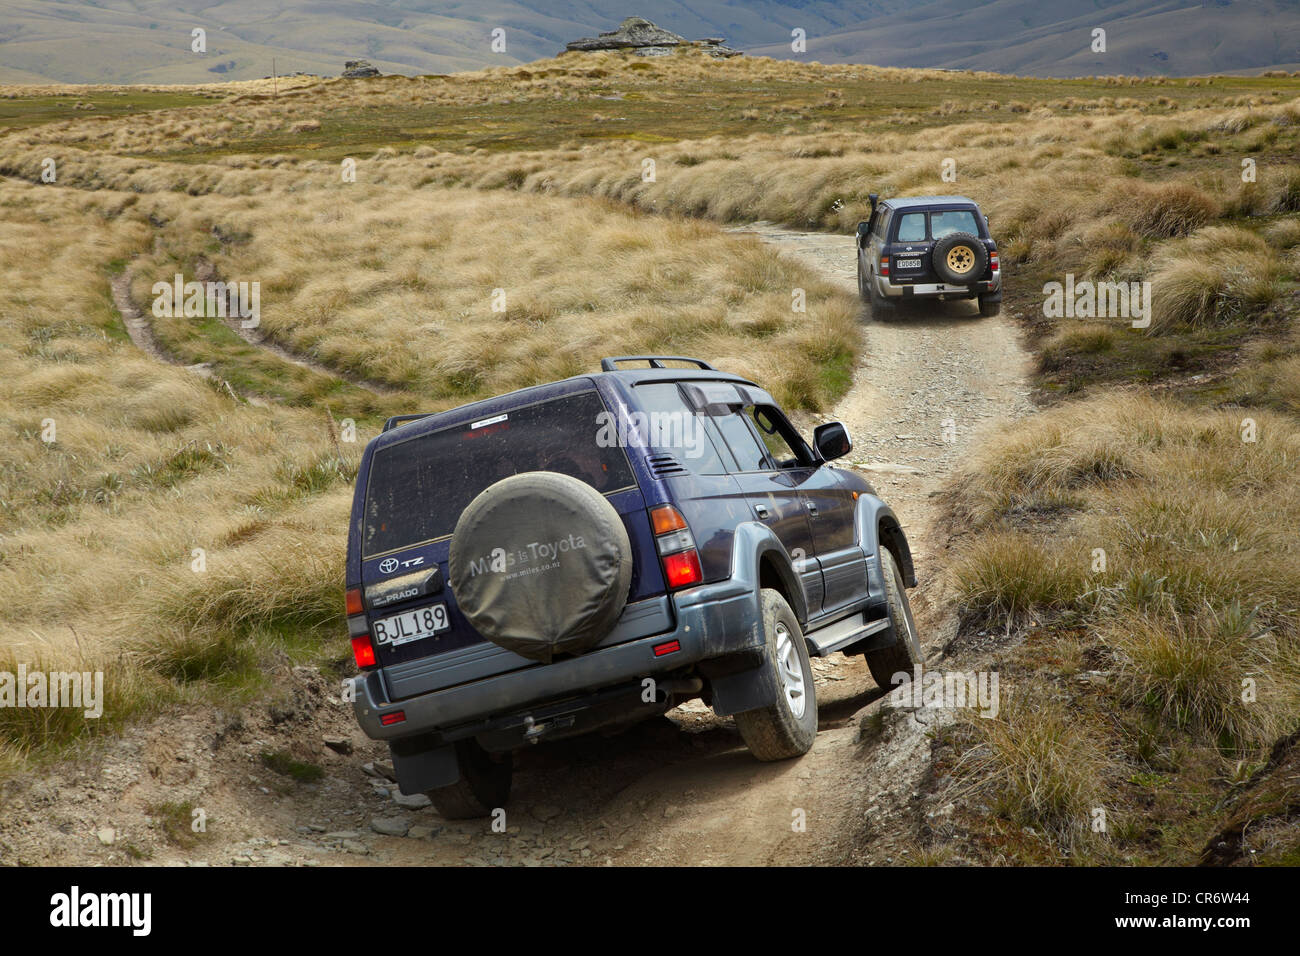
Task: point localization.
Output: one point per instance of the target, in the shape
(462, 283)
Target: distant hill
(138, 41)
(148, 41)
(1054, 37)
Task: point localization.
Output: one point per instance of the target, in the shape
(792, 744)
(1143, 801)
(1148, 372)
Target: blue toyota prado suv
(596, 551)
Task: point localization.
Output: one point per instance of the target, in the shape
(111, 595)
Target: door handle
(812, 508)
(761, 511)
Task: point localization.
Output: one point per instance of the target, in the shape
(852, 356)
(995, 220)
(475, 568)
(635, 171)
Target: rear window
(953, 220)
(911, 227)
(419, 487)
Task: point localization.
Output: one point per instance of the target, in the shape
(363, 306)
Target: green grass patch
(289, 766)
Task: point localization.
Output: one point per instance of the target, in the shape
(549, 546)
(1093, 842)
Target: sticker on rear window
(487, 421)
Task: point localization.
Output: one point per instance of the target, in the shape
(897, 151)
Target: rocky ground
(293, 782)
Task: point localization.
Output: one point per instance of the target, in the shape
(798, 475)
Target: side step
(837, 636)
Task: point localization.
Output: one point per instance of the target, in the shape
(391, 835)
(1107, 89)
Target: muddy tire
(788, 727)
(959, 258)
(882, 310)
(483, 786)
(905, 654)
(863, 292)
(989, 306)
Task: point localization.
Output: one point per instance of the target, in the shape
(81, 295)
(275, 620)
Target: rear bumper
(940, 290)
(712, 621)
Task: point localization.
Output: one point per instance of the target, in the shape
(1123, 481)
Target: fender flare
(755, 543)
(877, 525)
(739, 682)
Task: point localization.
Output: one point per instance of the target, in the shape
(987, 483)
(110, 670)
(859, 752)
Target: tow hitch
(534, 731)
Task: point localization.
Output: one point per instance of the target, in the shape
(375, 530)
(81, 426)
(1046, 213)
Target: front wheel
(484, 784)
(788, 727)
(905, 654)
(863, 293)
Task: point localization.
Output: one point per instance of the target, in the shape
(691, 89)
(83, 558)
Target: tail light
(362, 647)
(677, 552)
(993, 261)
(884, 265)
(363, 650)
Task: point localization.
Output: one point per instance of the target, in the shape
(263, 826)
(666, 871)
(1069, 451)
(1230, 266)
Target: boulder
(632, 33)
(638, 35)
(358, 69)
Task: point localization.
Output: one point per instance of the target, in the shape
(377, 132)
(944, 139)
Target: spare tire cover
(541, 564)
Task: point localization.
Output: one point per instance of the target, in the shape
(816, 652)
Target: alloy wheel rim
(960, 259)
(791, 671)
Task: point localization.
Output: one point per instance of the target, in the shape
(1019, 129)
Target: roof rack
(656, 361)
(403, 419)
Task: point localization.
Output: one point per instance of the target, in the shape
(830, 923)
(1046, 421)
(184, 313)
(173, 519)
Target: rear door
(909, 259)
(774, 496)
(876, 244)
(688, 455)
(417, 487)
(828, 503)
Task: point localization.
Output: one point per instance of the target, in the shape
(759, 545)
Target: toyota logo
(388, 565)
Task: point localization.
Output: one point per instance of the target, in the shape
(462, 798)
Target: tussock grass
(1218, 672)
(146, 464)
(456, 295)
(1011, 574)
(1217, 275)
(1197, 529)
(1165, 211)
(1037, 764)
(1154, 545)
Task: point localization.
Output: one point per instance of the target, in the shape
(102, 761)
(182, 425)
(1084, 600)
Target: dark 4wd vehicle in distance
(927, 247)
(595, 551)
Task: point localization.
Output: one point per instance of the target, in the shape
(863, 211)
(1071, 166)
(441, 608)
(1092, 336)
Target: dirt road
(677, 791)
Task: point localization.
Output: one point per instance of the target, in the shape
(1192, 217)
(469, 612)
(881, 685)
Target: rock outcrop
(358, 69)
(638, 35)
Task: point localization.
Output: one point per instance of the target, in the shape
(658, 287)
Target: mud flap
(740, 690)
(420, 768)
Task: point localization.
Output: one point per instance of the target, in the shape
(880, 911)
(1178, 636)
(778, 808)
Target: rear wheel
(484, 784)
(990, 306)
(788, 727)
(882, 310)
(863, 293)
(906, 653)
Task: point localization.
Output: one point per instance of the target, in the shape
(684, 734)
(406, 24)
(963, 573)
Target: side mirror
(864, 227)
(832, 441)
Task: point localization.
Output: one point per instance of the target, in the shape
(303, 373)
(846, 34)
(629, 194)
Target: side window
(771, 430)
(673, 427)
(911, 228)
(882, 223)
(744, 444)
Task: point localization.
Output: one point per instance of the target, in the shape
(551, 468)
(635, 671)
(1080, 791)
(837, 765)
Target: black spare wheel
(541, 564)
(959, 258)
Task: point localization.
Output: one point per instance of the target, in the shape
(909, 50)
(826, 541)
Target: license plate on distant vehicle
(398, 629)
(909, 263)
